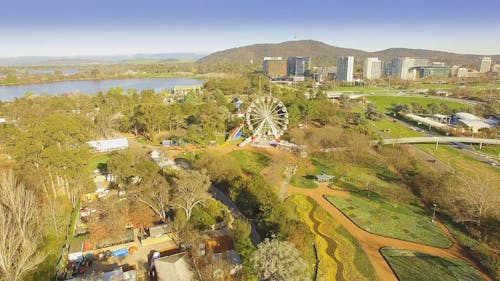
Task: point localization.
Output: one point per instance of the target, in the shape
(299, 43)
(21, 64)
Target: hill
(86, 60)
(324, 54)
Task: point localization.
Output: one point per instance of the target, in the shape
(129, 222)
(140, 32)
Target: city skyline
(72, 28)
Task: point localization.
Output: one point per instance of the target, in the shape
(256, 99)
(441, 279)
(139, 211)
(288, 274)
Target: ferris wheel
(267, 117)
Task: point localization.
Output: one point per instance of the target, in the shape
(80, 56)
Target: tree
(155, 193)
(191, 189)
(107, 225)
(219, 167)
(276, 260)
(372, 113)
(482, 198)
(242, 229)
(20, 234)
(121, 165)
(345, 101)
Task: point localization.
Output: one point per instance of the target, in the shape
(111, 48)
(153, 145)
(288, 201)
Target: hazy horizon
(97, 28)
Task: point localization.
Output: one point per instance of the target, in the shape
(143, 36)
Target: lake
(8, 93)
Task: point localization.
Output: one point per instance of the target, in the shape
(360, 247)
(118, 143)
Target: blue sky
(91, 27)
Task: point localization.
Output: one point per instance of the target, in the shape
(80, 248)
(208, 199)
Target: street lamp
(434, 206)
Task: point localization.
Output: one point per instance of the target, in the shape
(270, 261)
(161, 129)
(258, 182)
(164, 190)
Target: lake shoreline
(192, 76)
(158, 84)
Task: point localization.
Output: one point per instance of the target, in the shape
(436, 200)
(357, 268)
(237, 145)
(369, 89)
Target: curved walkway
(371, 243)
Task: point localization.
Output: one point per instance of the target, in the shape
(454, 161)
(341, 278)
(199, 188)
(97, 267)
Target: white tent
(109, 145)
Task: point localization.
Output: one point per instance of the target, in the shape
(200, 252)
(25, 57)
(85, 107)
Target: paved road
(438, 139)
(371, 243)
(219, 195)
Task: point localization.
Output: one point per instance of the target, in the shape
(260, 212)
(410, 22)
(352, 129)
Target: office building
(496, 68)
(345, 68)
(462, 72)
(274, 67)
(298, 66)
(372, 68)
(323, 73)
(485, 64)
(432, 71)
(438, 63)
(400, 67)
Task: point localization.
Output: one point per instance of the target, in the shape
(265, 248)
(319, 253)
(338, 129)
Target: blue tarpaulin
(123, 252)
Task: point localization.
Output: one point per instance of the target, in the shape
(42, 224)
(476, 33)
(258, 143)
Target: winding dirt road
(372, 243)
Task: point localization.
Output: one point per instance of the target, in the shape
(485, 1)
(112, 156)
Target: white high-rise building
(485, 64)
(345, 68)
(372, 68)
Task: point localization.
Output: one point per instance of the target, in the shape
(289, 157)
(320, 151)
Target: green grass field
(250, 161)
(433, 86)
(304, 177)
(489, 149)
(385, 102)
(96, 160)
(408, 222)
(414, 266)
(394, 129)
(340, 255)
(461, 161)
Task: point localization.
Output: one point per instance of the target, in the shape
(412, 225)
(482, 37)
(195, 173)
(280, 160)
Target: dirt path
(372, 243)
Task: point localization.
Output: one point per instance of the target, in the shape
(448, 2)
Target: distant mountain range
(324, 54)
(85, 60)
(321, 54)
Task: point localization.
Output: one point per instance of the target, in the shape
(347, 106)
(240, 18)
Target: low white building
(108, 145)
(469, 121)
(425, 121)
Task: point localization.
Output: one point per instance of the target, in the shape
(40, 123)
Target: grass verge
(250, 161)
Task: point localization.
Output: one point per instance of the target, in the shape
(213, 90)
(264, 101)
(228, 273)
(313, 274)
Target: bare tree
(191, 189)
(155, 193)
(20, 235)
(482, 197)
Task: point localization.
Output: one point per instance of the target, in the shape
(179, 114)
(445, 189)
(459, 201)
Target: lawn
(408, 222)
(340, 255)
(250, 161)
(414, 266)
(461, 161)
(96, 160)
(394, 129)
(305, 174)
(384, 103)
(434, 86)
(489, 149)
